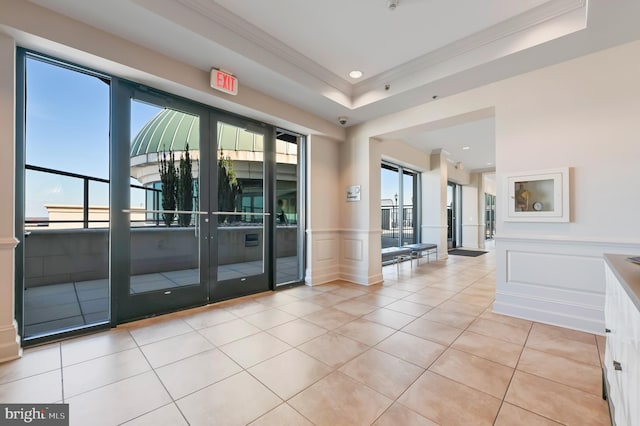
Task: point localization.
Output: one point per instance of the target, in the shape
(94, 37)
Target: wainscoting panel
(9, 339)
(322, 256)
(552, 280)
(352, 249)
(360, 257)
(326, 249)
(576, 272)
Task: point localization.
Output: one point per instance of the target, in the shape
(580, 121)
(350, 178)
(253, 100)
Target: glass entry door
(454, 224)
(197, 219)
(241, 217)
(162, 236)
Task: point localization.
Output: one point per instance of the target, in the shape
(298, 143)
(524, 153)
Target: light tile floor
(422, 349)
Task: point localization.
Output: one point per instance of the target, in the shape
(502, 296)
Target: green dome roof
(169, 130)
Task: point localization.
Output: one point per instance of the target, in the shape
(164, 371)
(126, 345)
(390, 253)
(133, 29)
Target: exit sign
(224, 82)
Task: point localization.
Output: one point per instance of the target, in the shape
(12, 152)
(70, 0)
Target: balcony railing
(397, 225)
(155, 193)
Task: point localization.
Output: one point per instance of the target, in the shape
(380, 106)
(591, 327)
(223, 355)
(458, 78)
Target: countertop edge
(627, 273)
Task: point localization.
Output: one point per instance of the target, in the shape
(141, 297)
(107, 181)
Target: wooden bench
(418, 248)
(396, 254)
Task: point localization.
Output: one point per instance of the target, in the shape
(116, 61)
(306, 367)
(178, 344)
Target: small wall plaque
(353, 193)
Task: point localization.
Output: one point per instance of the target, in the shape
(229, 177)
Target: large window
(399, 205)
(66, 198)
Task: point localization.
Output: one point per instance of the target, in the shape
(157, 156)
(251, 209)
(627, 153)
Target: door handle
(240, 214)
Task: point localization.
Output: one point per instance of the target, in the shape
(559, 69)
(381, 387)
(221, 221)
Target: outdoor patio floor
(75, 304)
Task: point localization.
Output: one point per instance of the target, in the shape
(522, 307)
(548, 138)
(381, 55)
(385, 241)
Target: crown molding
(258, 45)
(529, 19)
(245, 30)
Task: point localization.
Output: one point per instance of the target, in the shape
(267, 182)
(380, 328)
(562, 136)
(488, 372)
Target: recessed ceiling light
(355, 74)
(488, 164)
(465, 148)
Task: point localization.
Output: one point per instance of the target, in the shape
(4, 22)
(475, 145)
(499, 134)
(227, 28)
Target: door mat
(469, 253)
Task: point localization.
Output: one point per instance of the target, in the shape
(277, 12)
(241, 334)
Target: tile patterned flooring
(422, 349)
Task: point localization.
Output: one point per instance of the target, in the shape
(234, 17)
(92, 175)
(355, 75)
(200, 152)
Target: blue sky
(67, 128)
(389, 184)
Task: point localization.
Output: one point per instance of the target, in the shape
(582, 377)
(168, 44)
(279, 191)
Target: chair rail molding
(8, 243)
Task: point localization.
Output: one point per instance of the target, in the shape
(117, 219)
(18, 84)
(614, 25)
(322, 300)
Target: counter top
(628, 274)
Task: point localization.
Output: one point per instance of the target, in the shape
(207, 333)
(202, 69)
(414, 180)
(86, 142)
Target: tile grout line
(173, 401)
(515, 368)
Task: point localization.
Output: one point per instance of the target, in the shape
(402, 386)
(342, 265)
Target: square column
(9, 339)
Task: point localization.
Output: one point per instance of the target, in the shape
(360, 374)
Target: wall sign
(353, 193)
(224, 81)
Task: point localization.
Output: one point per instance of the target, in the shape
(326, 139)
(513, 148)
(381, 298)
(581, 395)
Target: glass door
(160, 236)
(490, 216)
(242, 212)
(289, 237)
(454, 225)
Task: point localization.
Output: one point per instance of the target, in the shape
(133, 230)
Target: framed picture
(538, 196)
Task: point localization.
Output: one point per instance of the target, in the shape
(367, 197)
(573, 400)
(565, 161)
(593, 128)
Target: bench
(418, 248)
(396, 254)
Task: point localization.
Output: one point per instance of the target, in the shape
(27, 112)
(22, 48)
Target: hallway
(422, 349)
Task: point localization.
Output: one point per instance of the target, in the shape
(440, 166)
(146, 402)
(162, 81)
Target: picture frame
(538, 196)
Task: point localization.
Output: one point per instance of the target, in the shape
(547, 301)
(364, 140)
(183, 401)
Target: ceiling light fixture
(392, 4)
(355, 74)
(465, 148)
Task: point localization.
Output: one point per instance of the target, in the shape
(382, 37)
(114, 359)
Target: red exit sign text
(224, 82)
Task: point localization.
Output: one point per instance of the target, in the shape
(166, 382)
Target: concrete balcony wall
(65, 255)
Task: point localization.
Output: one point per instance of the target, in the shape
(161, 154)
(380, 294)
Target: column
(9, 339)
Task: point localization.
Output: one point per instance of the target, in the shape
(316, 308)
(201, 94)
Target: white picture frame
(538, 196)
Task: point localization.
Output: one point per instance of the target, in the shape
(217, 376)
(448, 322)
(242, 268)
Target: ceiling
(301, 51)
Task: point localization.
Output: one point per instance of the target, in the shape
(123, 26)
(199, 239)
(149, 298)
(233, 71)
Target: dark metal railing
(85, 201)
(397, 225)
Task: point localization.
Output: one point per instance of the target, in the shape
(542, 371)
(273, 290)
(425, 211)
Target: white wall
(471, 201)
(434, 204)
(583, 114)
(323, 206)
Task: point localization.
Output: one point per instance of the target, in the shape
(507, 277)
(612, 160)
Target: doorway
(198, 212)
(489, 216)
(454, 208)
